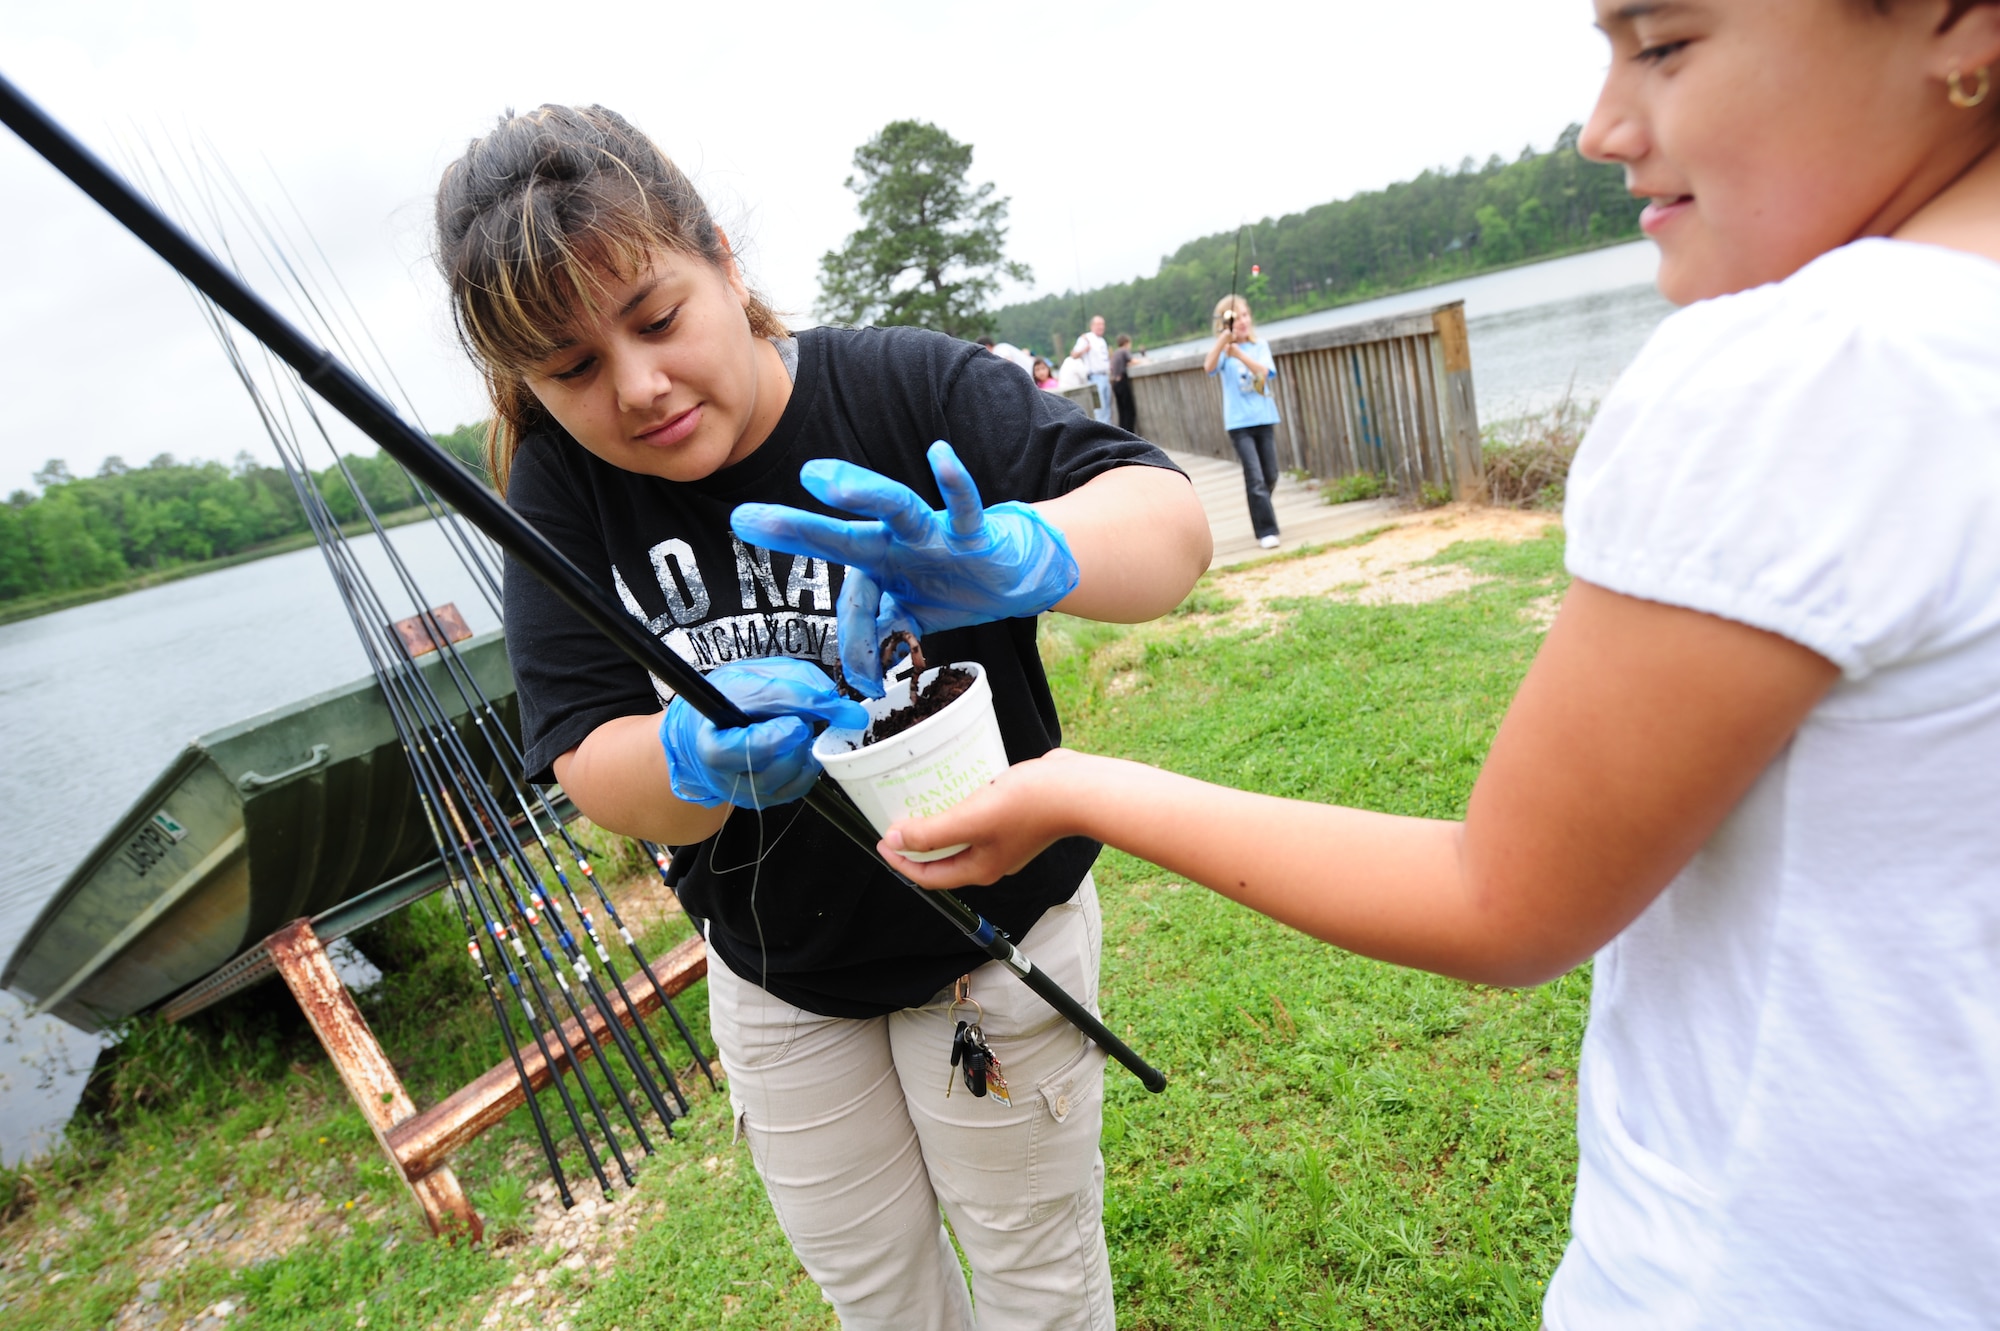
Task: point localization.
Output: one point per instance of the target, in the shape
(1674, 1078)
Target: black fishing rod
(321, 521)
(374, 417)
(400, 678)
(1235, 264)
(355, 586)
(493, 821)
(431, 782)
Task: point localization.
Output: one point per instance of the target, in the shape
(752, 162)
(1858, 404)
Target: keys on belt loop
(971, 1057)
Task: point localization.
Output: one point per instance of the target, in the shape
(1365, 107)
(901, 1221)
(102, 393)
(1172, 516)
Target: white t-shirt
(1789, 1095)
(1072, 374)
(1095, 353)
(1009, 352)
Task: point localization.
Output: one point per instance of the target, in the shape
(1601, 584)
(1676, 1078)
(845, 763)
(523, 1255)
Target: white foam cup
(926, 769)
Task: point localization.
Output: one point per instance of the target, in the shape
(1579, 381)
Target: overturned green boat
(309, 810)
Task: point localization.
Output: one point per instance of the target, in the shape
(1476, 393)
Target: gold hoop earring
(1955, 92)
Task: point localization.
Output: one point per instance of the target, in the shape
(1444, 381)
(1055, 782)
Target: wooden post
(419, 1142)
(1468, 468)
(369, 1076)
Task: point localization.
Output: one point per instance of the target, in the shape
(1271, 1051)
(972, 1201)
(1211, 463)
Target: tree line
(1444, 224)
(82, 532)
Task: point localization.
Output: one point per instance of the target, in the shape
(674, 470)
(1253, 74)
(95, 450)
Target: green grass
(1343, 1144)
(1346, 1144)
(1355, 486)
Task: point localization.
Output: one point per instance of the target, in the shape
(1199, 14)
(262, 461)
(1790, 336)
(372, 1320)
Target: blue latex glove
(910, 565)
(760, 765)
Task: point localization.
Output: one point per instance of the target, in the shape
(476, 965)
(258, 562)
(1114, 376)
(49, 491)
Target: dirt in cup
(934, 697)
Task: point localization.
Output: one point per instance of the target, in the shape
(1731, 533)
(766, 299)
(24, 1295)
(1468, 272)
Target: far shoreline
(14, 612)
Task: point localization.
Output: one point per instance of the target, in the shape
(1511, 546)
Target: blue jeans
(1103, 382)
(1257, 448)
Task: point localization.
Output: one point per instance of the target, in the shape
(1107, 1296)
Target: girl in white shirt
(1755, 768)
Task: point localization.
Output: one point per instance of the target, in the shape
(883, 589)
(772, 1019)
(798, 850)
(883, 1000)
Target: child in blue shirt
(1249, 407)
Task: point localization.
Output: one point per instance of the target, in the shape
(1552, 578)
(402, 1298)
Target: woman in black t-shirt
(642, 395)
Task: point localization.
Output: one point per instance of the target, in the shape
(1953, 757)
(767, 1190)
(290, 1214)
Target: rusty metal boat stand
(417, 1142)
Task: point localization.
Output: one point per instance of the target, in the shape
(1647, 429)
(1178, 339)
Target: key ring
(961, 992)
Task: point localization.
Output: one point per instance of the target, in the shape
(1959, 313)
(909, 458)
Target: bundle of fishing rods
(369, 410)
(540, 953)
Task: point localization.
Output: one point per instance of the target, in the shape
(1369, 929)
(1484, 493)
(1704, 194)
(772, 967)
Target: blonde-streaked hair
(537, 218)
(1223, 306)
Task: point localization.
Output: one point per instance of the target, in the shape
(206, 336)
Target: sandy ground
(1384, 570)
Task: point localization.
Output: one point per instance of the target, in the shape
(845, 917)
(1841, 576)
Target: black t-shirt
(817, 921)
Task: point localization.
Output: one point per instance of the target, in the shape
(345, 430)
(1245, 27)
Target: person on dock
(1752, 767)
(1122, 361)
(1073, 374)
(1095, 353)
(1007, 351)
(645, 399)
(1249, 408)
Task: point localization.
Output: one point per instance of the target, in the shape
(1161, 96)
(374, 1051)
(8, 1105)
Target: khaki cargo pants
(860, 1149)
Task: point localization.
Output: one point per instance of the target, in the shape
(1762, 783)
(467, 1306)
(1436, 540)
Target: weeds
(1527, 458)
(505, 1208)
(1355, 486)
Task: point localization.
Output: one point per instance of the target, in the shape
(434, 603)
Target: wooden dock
(1302, 516)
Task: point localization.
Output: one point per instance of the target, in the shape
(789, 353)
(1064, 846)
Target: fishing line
(350, 582)
(476, 791)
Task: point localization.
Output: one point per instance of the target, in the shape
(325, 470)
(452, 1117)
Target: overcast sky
(1117, 131)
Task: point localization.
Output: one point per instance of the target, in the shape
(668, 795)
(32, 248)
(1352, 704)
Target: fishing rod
(462, 679)
(481, 813)
(492, 821)
(277, 255)
(374, 417)
(1235, 265)
(314, 505)
(355, 588)
(430, 782)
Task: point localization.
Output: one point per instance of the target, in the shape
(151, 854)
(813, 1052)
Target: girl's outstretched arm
(1639, 727)
(1140, 540)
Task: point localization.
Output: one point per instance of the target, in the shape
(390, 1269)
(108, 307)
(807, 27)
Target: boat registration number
(152, 843)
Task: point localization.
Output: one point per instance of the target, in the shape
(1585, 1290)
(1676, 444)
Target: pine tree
(930, 251)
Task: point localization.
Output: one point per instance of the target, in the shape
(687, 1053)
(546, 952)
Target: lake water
(94, 701)
(1537, 331)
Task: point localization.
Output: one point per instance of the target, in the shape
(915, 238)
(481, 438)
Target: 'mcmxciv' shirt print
(788, 613)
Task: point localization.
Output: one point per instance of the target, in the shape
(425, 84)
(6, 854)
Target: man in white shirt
(1095, 354)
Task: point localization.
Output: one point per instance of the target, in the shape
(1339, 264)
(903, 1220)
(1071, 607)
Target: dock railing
(1392, 396)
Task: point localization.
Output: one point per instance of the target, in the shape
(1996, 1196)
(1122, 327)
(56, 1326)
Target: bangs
(529, 273)
(536, 223)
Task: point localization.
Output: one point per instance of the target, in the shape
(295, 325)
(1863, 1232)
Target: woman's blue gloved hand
(910, 565)
(759, 765)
